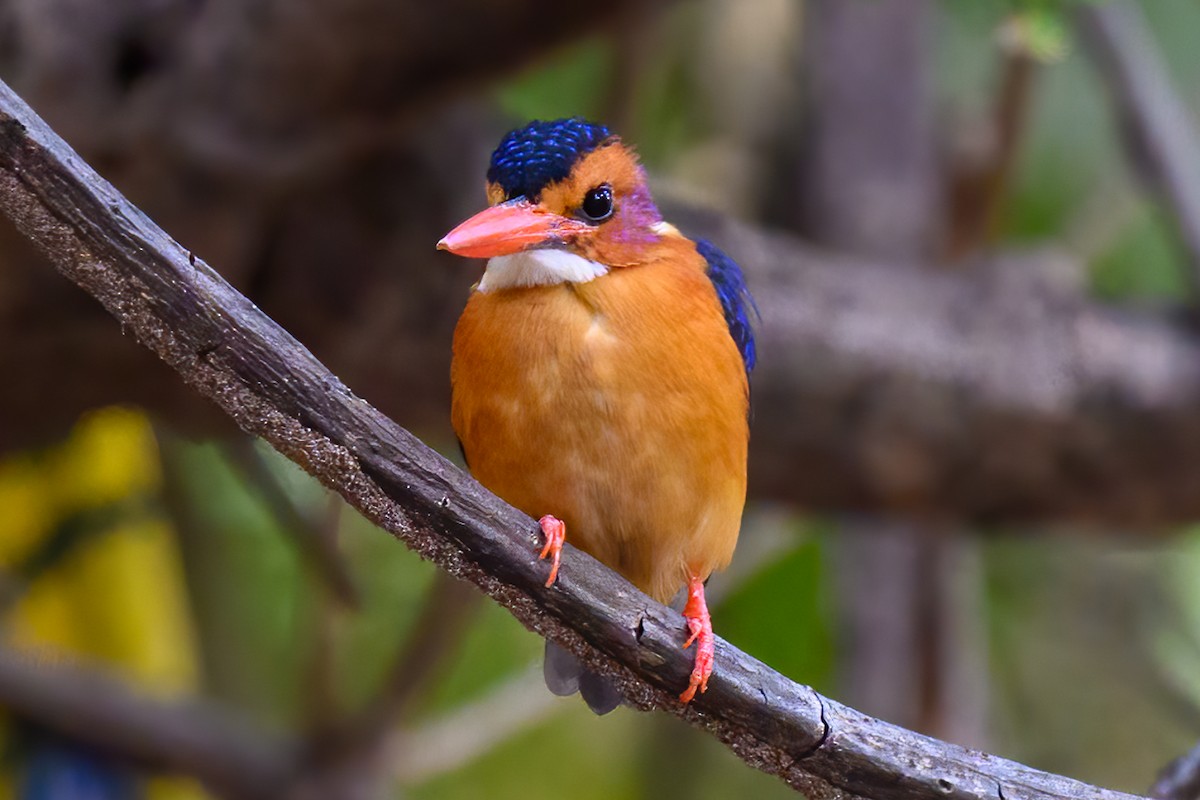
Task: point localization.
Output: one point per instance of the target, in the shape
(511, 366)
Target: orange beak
(509, 228)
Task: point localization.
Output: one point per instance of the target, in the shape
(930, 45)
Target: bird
(600, 375)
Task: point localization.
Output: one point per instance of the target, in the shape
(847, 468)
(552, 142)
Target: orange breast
(619, 406)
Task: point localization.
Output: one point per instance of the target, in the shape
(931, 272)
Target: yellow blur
(116, 593)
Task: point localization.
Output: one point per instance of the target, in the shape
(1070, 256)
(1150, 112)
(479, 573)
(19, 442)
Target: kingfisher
(600, 375)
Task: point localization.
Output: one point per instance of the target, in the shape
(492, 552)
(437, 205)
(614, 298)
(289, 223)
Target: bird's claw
(704, 659)
(555, 532)
(700, 631)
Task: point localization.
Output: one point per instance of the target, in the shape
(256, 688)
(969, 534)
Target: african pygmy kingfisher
(600, 374)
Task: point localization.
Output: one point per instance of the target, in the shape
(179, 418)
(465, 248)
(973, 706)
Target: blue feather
(541, 153)
(736, 302)
(58, 771)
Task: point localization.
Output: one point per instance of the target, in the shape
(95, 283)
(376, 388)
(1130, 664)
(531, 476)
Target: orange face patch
(625, 239)
(612, 163)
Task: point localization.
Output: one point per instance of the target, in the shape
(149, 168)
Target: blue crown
(541, 153)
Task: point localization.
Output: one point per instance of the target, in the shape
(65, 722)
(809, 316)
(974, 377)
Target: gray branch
(227, 754)
(229, 351)
(1179, 780)
(1160, 130)
(998, 395)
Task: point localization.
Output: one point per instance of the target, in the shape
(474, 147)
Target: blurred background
(974, 232)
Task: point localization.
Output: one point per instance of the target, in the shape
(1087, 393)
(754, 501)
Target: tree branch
(105, 714)
(442, 623)
(869, 167)
(318, 547)
(457, 737)
(869, 151)
(1179, 780)
(980, 176)
(1002, 395)
(228, 350)
(1161, 134)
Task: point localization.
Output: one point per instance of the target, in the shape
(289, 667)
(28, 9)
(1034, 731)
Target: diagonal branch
(228, 350)
(1179, 780)
(314, 544)
(1161, 133)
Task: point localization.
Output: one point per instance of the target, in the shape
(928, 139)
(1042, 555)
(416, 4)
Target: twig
(227, 349)
(980, 192)
(446, 612)
(1179, 780)
(322, 705)
(314, 542)
(446, 743)
(860, 166)
(1162, 135)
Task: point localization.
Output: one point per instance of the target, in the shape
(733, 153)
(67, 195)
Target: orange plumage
(600, 372)
(619, 406)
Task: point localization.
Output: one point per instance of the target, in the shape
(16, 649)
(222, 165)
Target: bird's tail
(565, 676)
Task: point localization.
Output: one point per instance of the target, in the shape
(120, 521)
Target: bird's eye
(598, 203)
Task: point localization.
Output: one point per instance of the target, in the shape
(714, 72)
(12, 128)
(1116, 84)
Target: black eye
(598, 203)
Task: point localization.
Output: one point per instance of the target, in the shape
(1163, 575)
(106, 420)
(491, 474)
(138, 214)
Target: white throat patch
(541, 267)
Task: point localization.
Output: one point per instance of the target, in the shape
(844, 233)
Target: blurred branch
(227, 349)
(1162, 138)
(446, 743)
(442, 624)
(322, 705)
(869, 164)
(1179, 780)
(440, 627)
(635, 40)
(303, 85)
(993, 395)
(313, 537)
(998, 394)
(871, 184)
(980, 186)
(105, 714)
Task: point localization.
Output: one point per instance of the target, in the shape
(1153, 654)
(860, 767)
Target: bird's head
(563, 195)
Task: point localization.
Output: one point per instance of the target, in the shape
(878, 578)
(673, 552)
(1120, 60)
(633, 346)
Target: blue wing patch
(736, 302)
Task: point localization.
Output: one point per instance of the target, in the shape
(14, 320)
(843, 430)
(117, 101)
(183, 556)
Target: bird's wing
(736, 302)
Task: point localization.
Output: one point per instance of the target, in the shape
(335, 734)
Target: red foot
(556, 533)
(700, 626)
